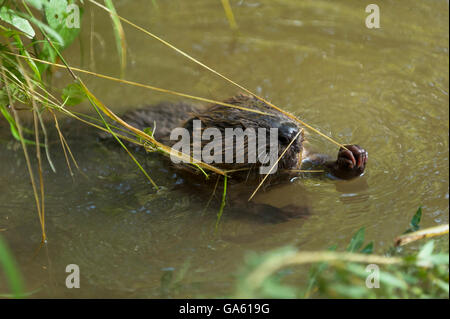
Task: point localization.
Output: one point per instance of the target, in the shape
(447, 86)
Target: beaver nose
(286, 132)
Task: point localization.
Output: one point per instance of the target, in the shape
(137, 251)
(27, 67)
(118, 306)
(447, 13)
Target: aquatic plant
(400, 273)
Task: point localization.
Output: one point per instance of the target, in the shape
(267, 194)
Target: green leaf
(357, 269)
(368, 249)
(348, 291)
(426, 250)
(10, 120)
(416, 220)
(391, 280)
(12, 17)
(424, 257)
(356, 241)
(149, 131)
(439, 259)
(10, 269)
(52, 33)
(73, 94)
(57, 15)
(38, 4)
(273, 288)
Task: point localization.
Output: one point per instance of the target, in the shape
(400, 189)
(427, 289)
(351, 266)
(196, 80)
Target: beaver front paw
(351, 162)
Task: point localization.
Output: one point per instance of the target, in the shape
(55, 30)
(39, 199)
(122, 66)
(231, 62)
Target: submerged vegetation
(34, 35)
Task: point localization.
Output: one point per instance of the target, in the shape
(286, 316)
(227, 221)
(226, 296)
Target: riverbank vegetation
(356, 272)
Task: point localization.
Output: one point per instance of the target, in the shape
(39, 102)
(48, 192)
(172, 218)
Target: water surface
(385, 89)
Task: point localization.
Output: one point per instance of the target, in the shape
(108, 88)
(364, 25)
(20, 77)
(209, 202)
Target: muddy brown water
(385, 89)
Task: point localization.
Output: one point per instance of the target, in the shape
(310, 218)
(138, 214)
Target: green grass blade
(120, 37)
(11, 271)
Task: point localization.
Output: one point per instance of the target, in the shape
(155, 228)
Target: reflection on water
(384, 89)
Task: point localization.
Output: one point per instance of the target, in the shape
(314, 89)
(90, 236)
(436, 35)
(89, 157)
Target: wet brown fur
(170, 116)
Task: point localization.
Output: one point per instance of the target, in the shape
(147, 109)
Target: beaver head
(244, 141)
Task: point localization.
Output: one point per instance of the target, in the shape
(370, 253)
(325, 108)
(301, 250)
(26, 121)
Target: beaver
(249, 114)
(165, 117)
